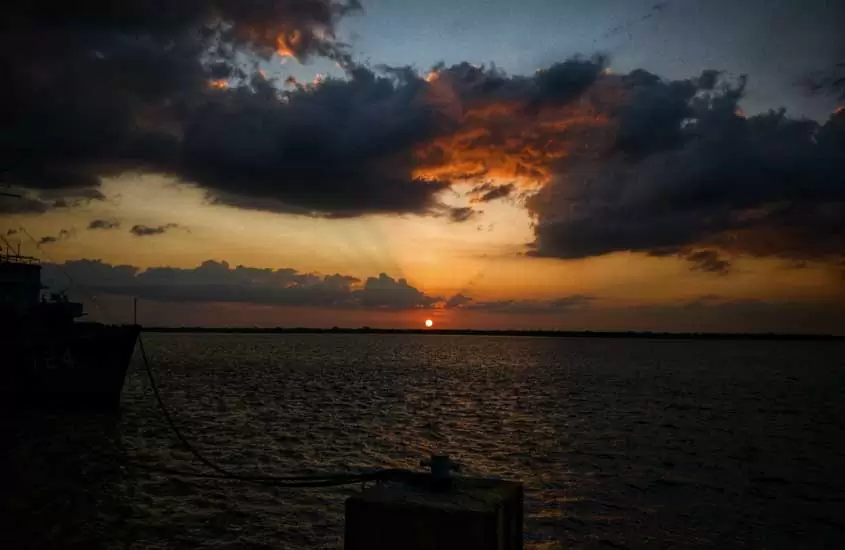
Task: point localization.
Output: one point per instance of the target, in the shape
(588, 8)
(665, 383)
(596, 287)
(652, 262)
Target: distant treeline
(468, 332)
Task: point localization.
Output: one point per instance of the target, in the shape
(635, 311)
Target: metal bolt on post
(441, 467)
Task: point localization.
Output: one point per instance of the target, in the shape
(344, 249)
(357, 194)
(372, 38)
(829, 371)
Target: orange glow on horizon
(220, 83)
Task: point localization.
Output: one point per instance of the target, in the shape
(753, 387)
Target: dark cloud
(522, 307)
(709, 260)
(104, 87)
(688, 171)
(560, 83)
(457, 301)
(708, 79)
(63, 234)
(566, 81)
(147, 231)
(46, 179)
(341, 148)
(831, 81)
(487, 192)
(653, 115)
(95, 90)
(463, 214)
(76, 197)
(384, 292)
(22, 205)
(38, 201)
(628, 162)
(219, 282)
(105, 224)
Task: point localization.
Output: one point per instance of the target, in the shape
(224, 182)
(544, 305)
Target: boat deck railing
(12, 258)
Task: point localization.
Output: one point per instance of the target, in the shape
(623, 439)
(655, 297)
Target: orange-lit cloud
(290, 28)
(514, 137)
(288, 44)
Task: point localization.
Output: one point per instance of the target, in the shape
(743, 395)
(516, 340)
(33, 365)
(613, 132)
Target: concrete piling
(434, 511)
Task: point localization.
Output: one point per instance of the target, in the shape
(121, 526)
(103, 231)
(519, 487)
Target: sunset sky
(567, 164)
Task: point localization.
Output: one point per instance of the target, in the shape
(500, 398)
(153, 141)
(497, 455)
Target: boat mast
(9, 249)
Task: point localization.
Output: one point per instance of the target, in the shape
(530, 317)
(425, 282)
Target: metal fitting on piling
(441, 467)
(424, 510)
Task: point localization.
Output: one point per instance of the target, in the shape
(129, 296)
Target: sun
(429, 323)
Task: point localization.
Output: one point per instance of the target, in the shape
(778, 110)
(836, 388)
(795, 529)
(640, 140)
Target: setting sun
(429, 323)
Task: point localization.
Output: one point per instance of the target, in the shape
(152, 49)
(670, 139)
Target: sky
(578, 165)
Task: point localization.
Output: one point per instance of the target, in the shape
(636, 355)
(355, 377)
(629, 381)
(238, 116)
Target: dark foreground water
(620, 443)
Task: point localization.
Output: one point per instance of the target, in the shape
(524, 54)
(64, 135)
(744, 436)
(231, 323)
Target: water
(621, 443)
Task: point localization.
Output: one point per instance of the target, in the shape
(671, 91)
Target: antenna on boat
(10, 250)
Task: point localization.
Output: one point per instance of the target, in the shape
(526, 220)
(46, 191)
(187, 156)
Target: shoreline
(529, 333)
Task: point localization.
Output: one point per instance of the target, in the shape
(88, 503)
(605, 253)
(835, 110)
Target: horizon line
(506, 332)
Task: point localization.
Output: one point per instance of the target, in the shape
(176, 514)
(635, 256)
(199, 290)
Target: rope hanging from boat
(317, 480)
(305, 481)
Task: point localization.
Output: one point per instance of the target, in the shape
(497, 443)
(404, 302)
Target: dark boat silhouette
(47, 357)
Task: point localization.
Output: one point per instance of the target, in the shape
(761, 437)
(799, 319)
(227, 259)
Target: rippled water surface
(620, 443)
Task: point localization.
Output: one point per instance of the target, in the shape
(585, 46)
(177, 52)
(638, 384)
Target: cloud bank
(100, 89)
(214, 281)
(179, 293)
(219, 282)
(688, 173)
(147, 231)
(611, 162)
(62, 235)
(553, 306)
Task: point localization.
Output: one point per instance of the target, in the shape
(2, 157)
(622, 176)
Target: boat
(48, 356)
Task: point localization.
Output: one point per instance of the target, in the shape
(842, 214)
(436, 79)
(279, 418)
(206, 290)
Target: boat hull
(84, 368)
